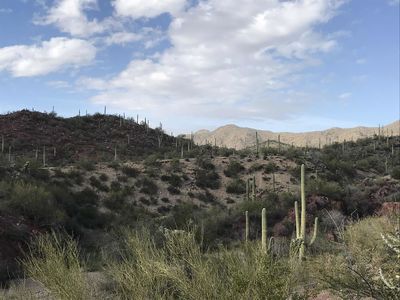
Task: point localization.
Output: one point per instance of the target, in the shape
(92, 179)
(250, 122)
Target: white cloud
(69, 16)
(49, 56)
(122, 38)
(345, 96)
(394, 2)
(149, 8)
(226, 54)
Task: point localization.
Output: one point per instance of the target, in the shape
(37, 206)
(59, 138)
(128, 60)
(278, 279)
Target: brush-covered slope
(236, 137)
(26, 133)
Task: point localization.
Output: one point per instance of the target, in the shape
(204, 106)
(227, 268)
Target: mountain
(233, 136)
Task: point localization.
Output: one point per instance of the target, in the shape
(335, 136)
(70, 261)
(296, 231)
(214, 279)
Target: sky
(281, 65)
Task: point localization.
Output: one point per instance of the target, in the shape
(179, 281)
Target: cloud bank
(228, 55)
(49, 56)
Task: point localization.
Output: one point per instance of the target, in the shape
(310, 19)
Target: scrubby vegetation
(167, 224)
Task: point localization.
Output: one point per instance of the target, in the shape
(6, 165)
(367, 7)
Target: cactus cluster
(251, 188)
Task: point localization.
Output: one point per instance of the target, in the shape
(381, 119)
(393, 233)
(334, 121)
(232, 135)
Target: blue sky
(275, 65)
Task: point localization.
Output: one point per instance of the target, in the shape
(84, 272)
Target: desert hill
(236, 137)
(27, 133)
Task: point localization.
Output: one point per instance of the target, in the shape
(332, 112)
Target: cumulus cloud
(69, 16)
(394, 2)
(226, 55)
(50, 56)
(122, 38)
(149, 8)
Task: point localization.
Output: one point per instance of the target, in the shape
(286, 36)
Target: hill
(96, 137)
(232, 136)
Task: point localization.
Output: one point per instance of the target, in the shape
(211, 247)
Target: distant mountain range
(238, 137)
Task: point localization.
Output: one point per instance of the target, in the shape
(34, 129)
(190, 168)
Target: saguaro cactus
(279, 143)
(247, 232)
(2, 144)
(273, 182)
(44, 156)
(301, 232)
(248, 189)
(254, 188)
(257, 144)
(264, 230)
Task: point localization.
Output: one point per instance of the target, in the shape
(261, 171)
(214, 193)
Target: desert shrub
(255, 167)
(33, 202)
(355, 273)
(205, 163)
(233, 168)
(148, 186)
(207, 179)
(270, 167)
(54, 262)
(165, 200)
(206, 197)
(86, 165)
(145, 201)
(94, 182)
(115, 186)
(236, 186)
(130, 171)
(115, 201)
(173, 190)
(395, 173)
(152, 161)
(76, 176)
(176, 165)
(330, 189)
(179, 269)
(103, 177)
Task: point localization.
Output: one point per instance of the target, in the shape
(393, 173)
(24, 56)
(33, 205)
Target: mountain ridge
(233, 136)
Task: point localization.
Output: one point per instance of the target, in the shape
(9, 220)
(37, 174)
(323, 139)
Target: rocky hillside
(236, 137)
(96, 137)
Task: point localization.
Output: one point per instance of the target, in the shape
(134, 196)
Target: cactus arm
(303, 215)
(247, 226)
(315, 231)
(264, 230)
(296, 213)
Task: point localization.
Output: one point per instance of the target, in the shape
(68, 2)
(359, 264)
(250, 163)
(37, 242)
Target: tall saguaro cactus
(247, 232)
(264, 230)
(257, 144)
(279, 143)
(2, 144)
(301, 225)
(44, 156)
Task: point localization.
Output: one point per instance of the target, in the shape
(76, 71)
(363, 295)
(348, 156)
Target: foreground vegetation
(174, 265)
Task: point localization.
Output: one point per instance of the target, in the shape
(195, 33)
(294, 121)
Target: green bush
(207, 179)
(98, 184)
(236, 186)
(330, 189)
(34, 202)
(130, 171)
(148, 186)
(233, 169)
(395, 173)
